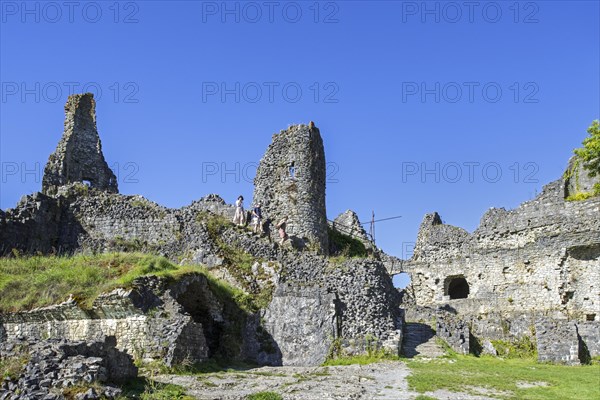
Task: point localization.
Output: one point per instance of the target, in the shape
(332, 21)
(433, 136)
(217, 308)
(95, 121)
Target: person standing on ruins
(257, 219)
(281, 226)
(239, 218)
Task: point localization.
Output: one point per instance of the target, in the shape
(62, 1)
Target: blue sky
(422, 106)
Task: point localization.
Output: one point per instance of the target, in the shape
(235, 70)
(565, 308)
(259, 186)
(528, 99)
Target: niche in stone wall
(456, 287)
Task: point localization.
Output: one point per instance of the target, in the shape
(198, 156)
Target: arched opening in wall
(401, 280)
(292, 170)
(87, 182)
(456, 287)
(402, 283)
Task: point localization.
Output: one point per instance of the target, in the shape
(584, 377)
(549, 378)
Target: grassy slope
(30, 282)
(457, 373)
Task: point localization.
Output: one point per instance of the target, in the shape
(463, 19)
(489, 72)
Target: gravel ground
(386, 380)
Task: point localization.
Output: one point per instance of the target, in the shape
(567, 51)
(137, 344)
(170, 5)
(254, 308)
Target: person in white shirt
(239, 218)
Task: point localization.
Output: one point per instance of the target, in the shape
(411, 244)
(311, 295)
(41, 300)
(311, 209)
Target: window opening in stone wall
(457, 288)
(292, 171)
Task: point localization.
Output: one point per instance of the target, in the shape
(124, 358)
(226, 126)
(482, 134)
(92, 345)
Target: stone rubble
(57, 364)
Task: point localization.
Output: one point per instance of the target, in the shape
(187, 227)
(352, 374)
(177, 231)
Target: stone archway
(456, 287)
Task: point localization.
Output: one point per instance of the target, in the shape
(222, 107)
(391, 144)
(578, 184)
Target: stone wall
(577, 178)
(78, 156)
(454, 331)
(148, 323)
(302, 322)
(156, 320)
(80, 218)
(290, 182)
(557, 341)
(541, 256)
(556, 338)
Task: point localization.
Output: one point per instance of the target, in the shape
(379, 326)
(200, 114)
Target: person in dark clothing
(257, 220)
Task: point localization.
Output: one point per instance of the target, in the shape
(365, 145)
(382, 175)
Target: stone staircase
(419, 340)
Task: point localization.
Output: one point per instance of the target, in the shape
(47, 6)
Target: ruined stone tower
(78, 156)
(290, 181)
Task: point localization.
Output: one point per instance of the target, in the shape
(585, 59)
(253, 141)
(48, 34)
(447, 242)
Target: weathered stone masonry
(78, 156)
(290, 181)
(314, 301)
(538, 263)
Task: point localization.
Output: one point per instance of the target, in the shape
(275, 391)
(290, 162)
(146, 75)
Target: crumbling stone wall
(532, 271)
(348, 224)
(33, 226)
(72, 217)
(544, 255)
(79, 218)
(290, 181)
(454, 331)
(78, 156)
(589, 333)
(147, 322)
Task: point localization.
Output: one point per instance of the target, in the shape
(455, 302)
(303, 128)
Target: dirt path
(386, 380)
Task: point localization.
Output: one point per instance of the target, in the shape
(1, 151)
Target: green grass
(345, 245)
(146, 389)
(460, 373)
(237, 261)
(360, 359)
(37, 281)
(264, 396)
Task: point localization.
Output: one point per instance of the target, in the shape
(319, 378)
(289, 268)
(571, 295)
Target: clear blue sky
(395, 87)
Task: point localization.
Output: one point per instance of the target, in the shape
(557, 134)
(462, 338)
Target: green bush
(590, 152)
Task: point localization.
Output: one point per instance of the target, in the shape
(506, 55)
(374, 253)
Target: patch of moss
(580, 196)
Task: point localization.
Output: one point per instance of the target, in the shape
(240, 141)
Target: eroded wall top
(78, 156)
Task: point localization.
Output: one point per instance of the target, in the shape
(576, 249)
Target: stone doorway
(456, 287)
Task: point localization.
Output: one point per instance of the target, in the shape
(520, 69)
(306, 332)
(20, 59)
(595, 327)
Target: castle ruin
(530, 272)
(78, 156)
(290, 182)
